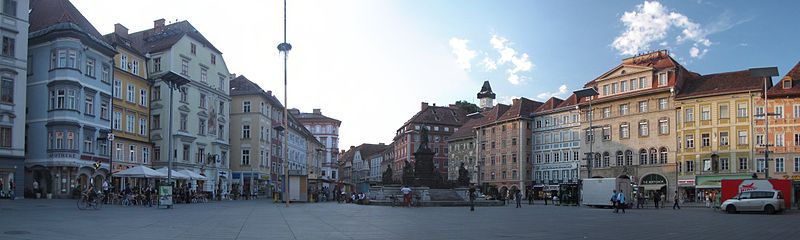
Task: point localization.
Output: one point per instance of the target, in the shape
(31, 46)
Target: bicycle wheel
(82, 204)
(96, 203)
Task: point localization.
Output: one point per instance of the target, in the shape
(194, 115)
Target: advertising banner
(165, 196)
(732, 187)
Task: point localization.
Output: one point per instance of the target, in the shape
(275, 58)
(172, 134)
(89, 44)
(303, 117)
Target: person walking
(639, 200)
(545, 198)
(518, 198)
(472, 198)
(530, 197)
(406, 196)
(105, 191)
(621, 201)
(656, 199)
(614, 201)
(676, 199)
(36, 188)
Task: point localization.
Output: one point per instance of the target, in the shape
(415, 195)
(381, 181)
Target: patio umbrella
(140, 172)
(175, 174)
(193, 175)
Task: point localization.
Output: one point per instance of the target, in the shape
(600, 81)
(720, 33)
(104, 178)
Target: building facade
(556, 144)
(130, 115)
(633, 120)
(200, 110)
(505, 148)
(69, 68)
(715, 128)
(13, 73)
(326, 130)
(441, 122)
(250, 139)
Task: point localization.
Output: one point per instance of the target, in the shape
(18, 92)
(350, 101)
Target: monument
(463, 176)
(423, 167)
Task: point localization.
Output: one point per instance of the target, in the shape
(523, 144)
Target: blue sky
(371, 63)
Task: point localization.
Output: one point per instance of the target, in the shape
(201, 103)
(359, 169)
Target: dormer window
(622, 72)
(787, 84)
(662, 79)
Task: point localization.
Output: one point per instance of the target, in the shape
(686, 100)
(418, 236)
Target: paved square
(261, 219)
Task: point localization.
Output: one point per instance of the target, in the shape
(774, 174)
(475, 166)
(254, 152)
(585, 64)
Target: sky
(371, 63)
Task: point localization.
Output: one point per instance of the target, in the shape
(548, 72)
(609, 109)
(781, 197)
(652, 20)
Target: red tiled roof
(453, 116)
(570, 101)
(720, 83)
(486, 117)
(550, 104)
(521, 107)
(45, 13)
(150, 41)
(794, 76)
(657, 60)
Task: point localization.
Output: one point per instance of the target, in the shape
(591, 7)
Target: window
(642, 82)
(623, 109)
(185, 67)
(203, 75)
(117, 88)
(760, 165)
(620, 158)
(7, 88)
(193, 48)
(129, 123)
(201, 127)
(104, 110)
(5, 137)
(633, 84)
(131, 93)
(779, 111)
(246, 131)
(705, 113)
(606, 133)
(10, 7)
(689, 166)
(145, 154)
(213, 59)
(663, 103)
(90, 69)
(779, 165)
(723, 111)
(132, 153)
(606, 112)
(118, 152)
(724, 164)
(742, 163)
(105, 74)
(156, 121)
(221, 83)
(8, 46)
(779, 139)
(644, 129)
(797, 139)
(613, 88)
(157, 64)
(123, 62)
(605, 90)
(184, 94)
(705, 140)
(662, 79)
(185, 152)
(759, 112)
(202, 100)
(689, 115)
(796, 111)
(643, 106)
(222, 108)
(662, 158)
(628, 157)
(589, 135)
(142, 126)
(760, 139)
(606, 159)
(797, 164)
(71, 101)
(246, 106)
(742, 138)
(135, 69)
(663, 126)
(741, 110)
(116, 121)
(723, 138)
(183, 122)
(624, 131)
(88, 105)
(689, 141)
(787, 84)
(623, 86)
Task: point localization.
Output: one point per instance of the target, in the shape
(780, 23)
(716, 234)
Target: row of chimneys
(158, 27)
(424, 105)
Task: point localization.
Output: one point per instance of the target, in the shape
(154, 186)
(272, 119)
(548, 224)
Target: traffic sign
(110, 137)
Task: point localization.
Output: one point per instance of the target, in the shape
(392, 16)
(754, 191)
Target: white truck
(597, 191)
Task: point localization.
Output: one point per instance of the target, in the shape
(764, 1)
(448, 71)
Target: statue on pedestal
(463, 175)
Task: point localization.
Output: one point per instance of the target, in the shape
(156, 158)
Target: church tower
(486, 96)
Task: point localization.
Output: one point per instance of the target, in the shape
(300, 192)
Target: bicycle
(84, 202)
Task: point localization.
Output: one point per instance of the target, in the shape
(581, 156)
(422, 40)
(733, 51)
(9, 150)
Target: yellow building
(130, 105)
(715, 131)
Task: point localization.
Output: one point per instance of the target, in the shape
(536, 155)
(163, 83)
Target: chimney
(294, 111)
(317, 111)
(424, 105)
(158, 25)
(120, 30)
(233, 75)
(515, 101)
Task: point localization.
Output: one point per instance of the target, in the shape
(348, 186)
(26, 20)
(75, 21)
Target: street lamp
(284, 48)
(285, 189)
(173, 81)
(590, 93)
(767, 73)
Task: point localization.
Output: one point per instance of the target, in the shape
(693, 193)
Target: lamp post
(280, 129)
(173, 81)
(767, 73)
(590, 93)
(284, 48)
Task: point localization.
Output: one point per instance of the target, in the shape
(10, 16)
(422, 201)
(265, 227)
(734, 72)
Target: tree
(468, 107)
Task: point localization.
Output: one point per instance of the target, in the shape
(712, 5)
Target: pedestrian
(545, 198)
(530, 197)
(518, 197)
(708, 200)
(621, 201)
(663, 199)
(406, 196)
(472, 198)
(36, 188)
(105, 191)
(656, 199)
(614, 201)
(639, 200)
(676, 199)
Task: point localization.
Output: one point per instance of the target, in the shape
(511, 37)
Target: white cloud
(519, 62)
(562, 90)
(463, 54)
(696, 53)
(506, 99)
(651, 23)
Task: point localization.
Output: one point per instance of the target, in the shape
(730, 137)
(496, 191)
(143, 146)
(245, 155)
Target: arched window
(596, 160)
(653, 156)
(606, 159)
(662, 155)
(628, 157)
(642, 157)
(620, 159)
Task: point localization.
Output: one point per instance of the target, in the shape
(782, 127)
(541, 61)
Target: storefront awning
(648, 187)
(714, 181)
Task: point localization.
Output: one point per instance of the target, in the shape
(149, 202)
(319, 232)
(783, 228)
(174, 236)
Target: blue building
(13, 71)
(69, 100)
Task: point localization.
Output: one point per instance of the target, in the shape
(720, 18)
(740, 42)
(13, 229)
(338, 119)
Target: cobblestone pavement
(261, 219)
